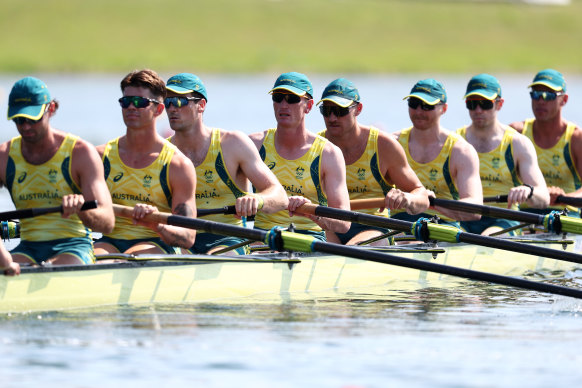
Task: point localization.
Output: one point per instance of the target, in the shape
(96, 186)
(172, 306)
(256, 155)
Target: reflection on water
(368, 339)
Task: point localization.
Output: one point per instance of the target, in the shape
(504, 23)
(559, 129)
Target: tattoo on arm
(183, 210)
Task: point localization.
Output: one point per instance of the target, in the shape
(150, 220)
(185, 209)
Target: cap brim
(343, 102)
(33, 112)
(425, 98)
(178, 89)
(549, 85)
(291, 89)
(482, 93)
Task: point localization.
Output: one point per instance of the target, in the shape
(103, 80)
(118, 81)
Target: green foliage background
(252, 36)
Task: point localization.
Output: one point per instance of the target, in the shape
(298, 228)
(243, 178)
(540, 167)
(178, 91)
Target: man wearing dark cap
(45, 167)
(446, 164)
(310, 168)
(375, 161)
(225, 161)
(508, 164)
(558, 142)
(144, 171)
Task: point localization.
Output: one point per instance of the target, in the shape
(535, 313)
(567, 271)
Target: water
(473, 336)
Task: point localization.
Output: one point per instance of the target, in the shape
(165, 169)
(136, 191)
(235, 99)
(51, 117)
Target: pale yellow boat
(166, 279)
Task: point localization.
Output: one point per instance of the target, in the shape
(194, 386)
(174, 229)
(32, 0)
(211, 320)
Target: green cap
(295, 83)
(551, 78)
(484, 85)
(430, 91)
(186, 83)
(28, 98)
(341, 92)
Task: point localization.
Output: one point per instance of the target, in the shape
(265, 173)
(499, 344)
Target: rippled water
(473, 336)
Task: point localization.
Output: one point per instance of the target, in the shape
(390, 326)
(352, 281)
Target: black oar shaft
(488, 211)
(221, 210)
(34, 212)
(446, 270)
(368, 219)
(566, 200)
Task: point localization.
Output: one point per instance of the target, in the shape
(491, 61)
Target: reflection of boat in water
(148, 279)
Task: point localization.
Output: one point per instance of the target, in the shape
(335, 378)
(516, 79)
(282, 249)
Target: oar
(221, 210)
(39, 211)
(282, 240)
(573, 201)
(426, 231)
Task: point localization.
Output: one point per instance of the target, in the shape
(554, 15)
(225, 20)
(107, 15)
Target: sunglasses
(414, 103)
(290, 98)
(24, 120)
(483, 104)
(338, 111)
(137, 101)
(546, 96)
(179, 102)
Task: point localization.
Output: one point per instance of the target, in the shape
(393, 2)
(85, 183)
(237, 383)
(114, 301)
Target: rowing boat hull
(200, 278)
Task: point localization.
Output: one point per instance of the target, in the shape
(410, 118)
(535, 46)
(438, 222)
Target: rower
(45, 167)
(375, 162)
(224, 161)
(310, 168)
(144, 171)
(558, 142)
(446, 164)
(507, 159)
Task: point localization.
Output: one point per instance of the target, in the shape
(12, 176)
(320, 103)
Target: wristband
(530, 190)
(261, 202)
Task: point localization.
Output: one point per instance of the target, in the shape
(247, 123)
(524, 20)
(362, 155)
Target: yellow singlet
(364, 178)
(497, 167)
(215, 187)
(434, 175)
(44, 185)
(556, 163)
(299, 177)
(130, 186)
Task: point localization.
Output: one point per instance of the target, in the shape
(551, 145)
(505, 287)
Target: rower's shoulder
(518, 126)
(236, 143)
(258, 137)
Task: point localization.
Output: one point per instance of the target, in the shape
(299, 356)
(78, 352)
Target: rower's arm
(183, 185)
(333, 170)
(269, 191)
(576, 149)
(530, 174)
(409, 193)
(465, 173)
(87, 167)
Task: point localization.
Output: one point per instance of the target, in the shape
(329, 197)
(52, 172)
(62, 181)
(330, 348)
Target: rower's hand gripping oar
(572, 201)
(39, 211)
(220, 210)
(282, 240)
(427, 231)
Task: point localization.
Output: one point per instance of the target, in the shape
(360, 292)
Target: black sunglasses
(179, 102)
(484, 104)
(546, 96)
(414, 103)
(290, 98)
(338, 111)
(23, 120)
(137, 101)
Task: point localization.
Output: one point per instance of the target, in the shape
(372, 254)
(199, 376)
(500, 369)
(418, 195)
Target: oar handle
(496, 198)
(35, 212)
(127, 212)
(368, 203)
